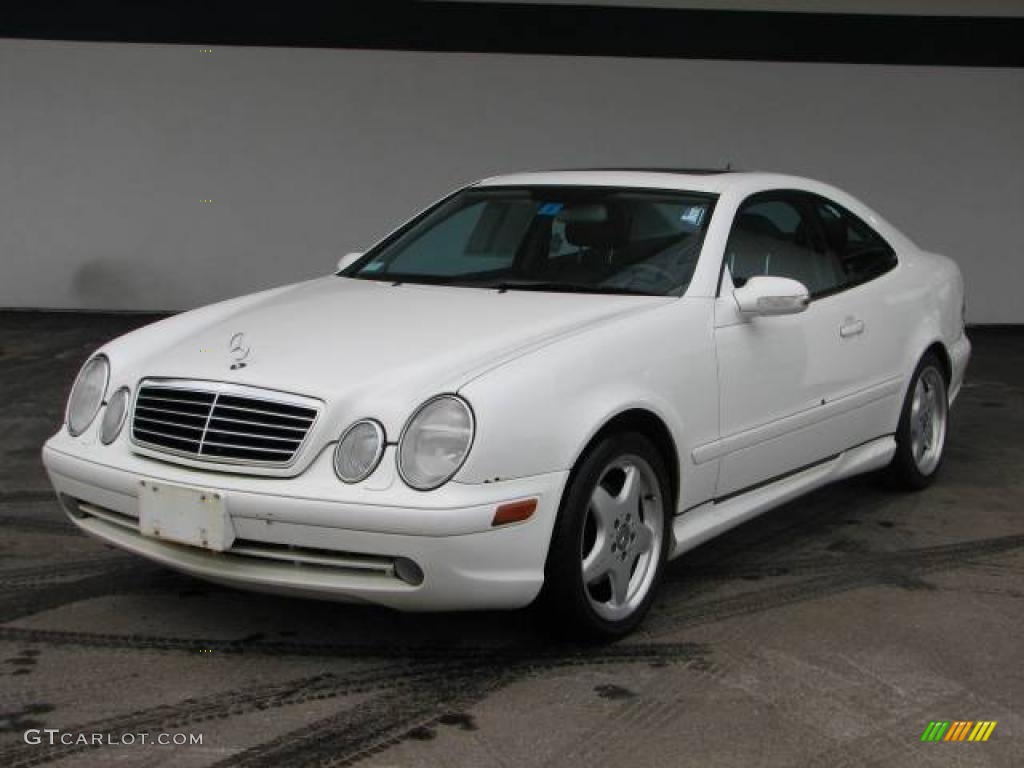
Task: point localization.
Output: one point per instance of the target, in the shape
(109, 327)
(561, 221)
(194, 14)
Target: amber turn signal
(514, 512)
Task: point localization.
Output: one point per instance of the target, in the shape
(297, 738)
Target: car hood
(344, 339)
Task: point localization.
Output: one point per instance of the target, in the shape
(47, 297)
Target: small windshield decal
(549, 209)
(693, 215)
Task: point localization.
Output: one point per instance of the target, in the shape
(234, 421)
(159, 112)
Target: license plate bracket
(185, 515)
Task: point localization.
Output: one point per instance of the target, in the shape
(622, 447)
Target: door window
(775, 235)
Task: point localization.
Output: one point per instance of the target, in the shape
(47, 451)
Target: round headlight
(359, 451)
(435, 442)
(113, 417)
(87, 394)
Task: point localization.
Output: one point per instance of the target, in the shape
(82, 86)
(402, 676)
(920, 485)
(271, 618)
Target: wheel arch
(649, 424)
(939, 350)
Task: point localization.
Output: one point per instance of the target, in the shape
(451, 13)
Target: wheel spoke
(620, 581)
(918, 401)
(644, 539)
(605, 506)
(598, 563)
(629, 495)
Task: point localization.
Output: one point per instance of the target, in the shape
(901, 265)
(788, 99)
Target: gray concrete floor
(827, 633)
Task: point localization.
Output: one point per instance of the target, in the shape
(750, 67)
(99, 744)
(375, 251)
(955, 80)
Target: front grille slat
(177, 425)
(177, 438)
(269, 406)
(249, 455)
(200, 417)
(172, 397)
(267, 416)
(222, 422)
(184, 395)
(226, 423)
(164, 440)
(188, 406)
(209, 445)
(216, 434)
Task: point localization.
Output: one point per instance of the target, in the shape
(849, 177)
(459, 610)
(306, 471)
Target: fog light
(71, 505)
(408, 571)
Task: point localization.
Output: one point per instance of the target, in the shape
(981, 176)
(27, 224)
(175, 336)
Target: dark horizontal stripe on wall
(576, 30)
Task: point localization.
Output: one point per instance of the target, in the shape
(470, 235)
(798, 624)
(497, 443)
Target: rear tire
(610, 541)
(924, 421)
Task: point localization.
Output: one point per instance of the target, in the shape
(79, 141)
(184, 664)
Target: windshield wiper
(558, 287)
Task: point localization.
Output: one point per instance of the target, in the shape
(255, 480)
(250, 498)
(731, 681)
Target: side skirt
(697, 525)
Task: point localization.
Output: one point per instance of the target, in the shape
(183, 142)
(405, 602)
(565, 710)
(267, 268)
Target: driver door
(777, 373)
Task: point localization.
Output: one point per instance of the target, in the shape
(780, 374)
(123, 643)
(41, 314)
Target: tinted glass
(776, 236)
(550, 238)
(861, 252)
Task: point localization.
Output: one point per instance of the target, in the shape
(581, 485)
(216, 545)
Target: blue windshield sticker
(374, 266)
(693, 214)
(549, 209)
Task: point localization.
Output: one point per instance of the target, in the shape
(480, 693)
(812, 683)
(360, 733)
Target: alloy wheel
(929, 411)
(622, 537)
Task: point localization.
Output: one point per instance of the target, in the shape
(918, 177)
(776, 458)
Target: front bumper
(313, 536)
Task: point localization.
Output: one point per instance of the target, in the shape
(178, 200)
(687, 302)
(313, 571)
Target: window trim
(804, 200)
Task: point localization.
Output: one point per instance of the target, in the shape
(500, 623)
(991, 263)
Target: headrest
(756, 224)
(594, 226)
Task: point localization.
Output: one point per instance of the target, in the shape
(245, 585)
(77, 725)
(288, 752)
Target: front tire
(611, 539)
(921, 435)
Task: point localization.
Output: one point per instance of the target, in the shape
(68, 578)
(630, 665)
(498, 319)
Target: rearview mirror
(349, 259)
(764, 295)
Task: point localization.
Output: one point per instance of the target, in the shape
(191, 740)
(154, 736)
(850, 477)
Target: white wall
(107, 150)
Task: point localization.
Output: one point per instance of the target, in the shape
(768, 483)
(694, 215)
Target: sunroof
(687, 171)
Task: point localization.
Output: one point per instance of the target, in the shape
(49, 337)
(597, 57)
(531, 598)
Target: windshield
(572, 239)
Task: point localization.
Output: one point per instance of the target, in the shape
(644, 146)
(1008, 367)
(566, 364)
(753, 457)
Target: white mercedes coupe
(545, 386)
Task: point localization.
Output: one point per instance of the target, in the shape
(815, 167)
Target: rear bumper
(310, 545)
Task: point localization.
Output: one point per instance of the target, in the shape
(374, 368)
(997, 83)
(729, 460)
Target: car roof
(691, 179)
(724, 182)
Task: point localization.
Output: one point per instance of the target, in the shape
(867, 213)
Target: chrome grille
(221, 422)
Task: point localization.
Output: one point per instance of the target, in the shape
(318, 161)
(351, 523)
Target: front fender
(537, 413)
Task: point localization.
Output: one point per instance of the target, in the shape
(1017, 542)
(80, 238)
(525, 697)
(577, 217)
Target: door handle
(851, 327)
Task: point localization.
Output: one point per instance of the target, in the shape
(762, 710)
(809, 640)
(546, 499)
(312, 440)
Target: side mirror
(349, 259)
(763, 295)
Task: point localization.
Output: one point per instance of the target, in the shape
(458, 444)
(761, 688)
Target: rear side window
(862, 253)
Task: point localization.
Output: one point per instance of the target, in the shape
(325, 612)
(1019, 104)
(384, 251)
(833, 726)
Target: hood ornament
(239, 351)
